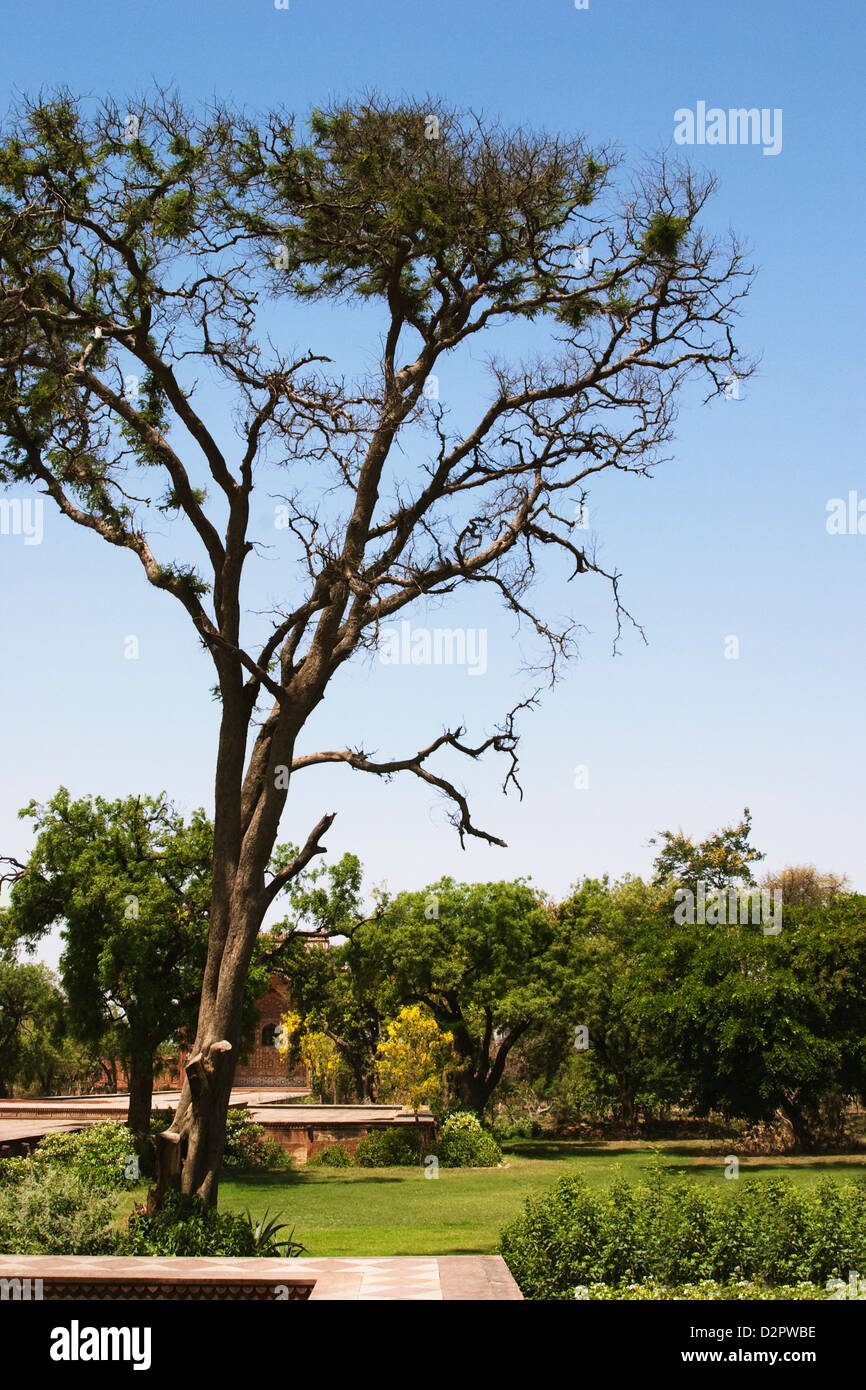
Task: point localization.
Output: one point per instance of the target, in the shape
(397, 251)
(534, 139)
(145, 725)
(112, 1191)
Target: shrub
(388, 1148)
(102, 1155)
(56, 1214)
(504, 1129)
(334, 1156)
(677, 1232)
(248, 1147)
(462, 1143)
(705, 1290)
(185, 1226)
(14, 1170)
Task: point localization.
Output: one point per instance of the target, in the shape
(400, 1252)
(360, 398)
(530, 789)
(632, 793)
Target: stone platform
(433, 1278)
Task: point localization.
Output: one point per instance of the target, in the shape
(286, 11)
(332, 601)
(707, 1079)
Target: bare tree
(802, 885)
(139, 246)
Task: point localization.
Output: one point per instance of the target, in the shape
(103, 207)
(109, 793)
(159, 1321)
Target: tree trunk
(248, 804)
(795, 1114)
(108, 1067)
(200, 1119)
(628, 1108)
(473, 1092)
(140, 1094)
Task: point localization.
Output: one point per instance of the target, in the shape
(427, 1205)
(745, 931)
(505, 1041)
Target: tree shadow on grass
(855, 1166)
(293, 1177)
(578, 1148)
(574, 1148)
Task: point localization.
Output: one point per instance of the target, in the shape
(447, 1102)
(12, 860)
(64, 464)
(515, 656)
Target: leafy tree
(343, 1002)
(762, 1024)
(412, 1057)
(609, 937)
(129, 882)
(30, 1008)
(54, 1061)
(139, 258)
(721, 861)
(480, 958)
(318, 1052)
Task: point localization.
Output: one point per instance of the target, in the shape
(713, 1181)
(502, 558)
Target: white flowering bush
(704, 1290)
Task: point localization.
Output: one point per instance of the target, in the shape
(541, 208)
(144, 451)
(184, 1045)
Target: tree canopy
(128, 882)
(480, 957)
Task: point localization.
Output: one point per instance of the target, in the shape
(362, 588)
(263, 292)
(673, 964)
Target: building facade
(264, 1068)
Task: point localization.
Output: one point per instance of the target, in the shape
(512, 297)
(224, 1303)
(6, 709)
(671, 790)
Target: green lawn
(397, 1211)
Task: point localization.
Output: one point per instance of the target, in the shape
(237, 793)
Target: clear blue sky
(729, 538)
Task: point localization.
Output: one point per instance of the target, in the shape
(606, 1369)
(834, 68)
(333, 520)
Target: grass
(397, 1211)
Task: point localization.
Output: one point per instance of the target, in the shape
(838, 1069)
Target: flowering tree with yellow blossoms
(316, 1050)
(412, 1058)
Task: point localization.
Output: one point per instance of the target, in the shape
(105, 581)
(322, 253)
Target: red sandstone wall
(264, 1066)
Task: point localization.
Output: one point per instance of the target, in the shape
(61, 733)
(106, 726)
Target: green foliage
(462, 1143)
(505, 1127)
(609, 934)
(676, 1232)
(762, 1023)
(724, 858)
(102, 1156)
(480, 957)
(389, 1148)
(421, 187)
(31, 1019)
(664, 235)
(267, 1236)
(342, 1003)
(15, 1169)
(185, 1226)
(55, 1213)
(334, 1156)
(130, 882)
(247, 1145)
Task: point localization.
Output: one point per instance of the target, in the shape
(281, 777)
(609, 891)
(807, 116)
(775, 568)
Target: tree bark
(801, 1128)
(628, 1108)
(472, 1091)
(140, 1094)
